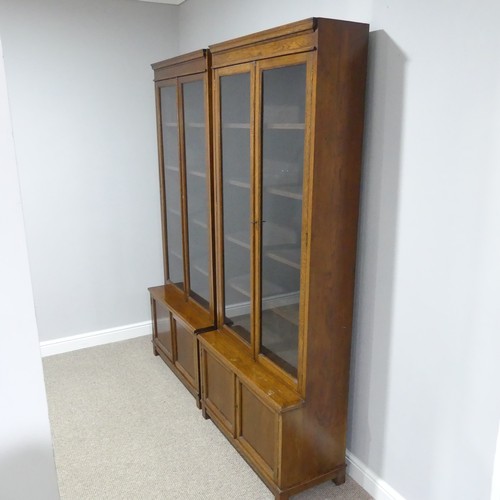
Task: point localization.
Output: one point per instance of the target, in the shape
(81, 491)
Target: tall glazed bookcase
(185, 304)
(287, 127)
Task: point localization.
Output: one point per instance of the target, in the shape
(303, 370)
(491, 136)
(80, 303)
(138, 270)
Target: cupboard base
(266, 421)
(176, 324)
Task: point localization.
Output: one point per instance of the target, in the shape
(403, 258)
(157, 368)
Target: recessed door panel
(219, 391)
(186, 357)
(258, 428)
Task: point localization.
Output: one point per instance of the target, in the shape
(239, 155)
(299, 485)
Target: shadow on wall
(374, 299)
(28, 472)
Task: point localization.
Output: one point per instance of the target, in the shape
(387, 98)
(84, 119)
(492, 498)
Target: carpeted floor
(125, 428)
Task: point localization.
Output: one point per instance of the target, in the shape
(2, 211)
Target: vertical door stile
(210, 194)
(183, 187)
(256, 165)
(173, 336)
(219, 210)
(306, 218)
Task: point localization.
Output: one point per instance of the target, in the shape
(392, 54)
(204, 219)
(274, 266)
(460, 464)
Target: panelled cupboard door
(186, 352)
(258, 430)
(162, 331)
(262, 164)
(218, 391)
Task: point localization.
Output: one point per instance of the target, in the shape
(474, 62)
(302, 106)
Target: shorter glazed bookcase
(184, 305)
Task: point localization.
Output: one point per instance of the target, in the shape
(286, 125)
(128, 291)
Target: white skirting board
(364, 476)
(92, 339)
(372, 483)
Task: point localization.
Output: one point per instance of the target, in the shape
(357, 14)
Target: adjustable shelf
(293, 192)
(242, 285)
(198, 266)
(175, 253)
(241, 238)
(199, 223)
(239, 183)
(236, 125)
(288, 256)
(285, 126)
(171, 168)
(174, 211)
(289, 313)
(197, 173)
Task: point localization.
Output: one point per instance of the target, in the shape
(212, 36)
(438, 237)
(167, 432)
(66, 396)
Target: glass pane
(170, 136)
(235, 119)
(196, 182)
(282, 171)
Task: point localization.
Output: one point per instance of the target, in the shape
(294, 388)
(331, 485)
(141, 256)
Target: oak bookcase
(268, 329)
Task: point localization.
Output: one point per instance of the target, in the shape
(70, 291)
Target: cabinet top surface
(173, 61)
(189, 311)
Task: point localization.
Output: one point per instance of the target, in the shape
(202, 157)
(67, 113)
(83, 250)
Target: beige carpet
(125, 428)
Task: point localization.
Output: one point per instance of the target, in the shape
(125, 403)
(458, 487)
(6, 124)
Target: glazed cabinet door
(195, 151)
(281, 142)
(234, 157)
(171, 183)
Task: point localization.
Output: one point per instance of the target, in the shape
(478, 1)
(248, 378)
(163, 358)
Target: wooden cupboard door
(186, 359)
(258, 430)
(219, 391)
(162, 329)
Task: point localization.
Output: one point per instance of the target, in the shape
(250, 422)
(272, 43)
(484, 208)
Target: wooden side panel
(186, 352)
(257, 430)
(314, 439)
(219, 391)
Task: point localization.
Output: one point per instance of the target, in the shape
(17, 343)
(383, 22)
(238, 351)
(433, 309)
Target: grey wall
(82, 100)
(27, 468)
(425, 403)
(206, 22)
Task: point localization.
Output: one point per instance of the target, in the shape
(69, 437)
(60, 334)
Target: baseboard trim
(372, 483)
(92, 339)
